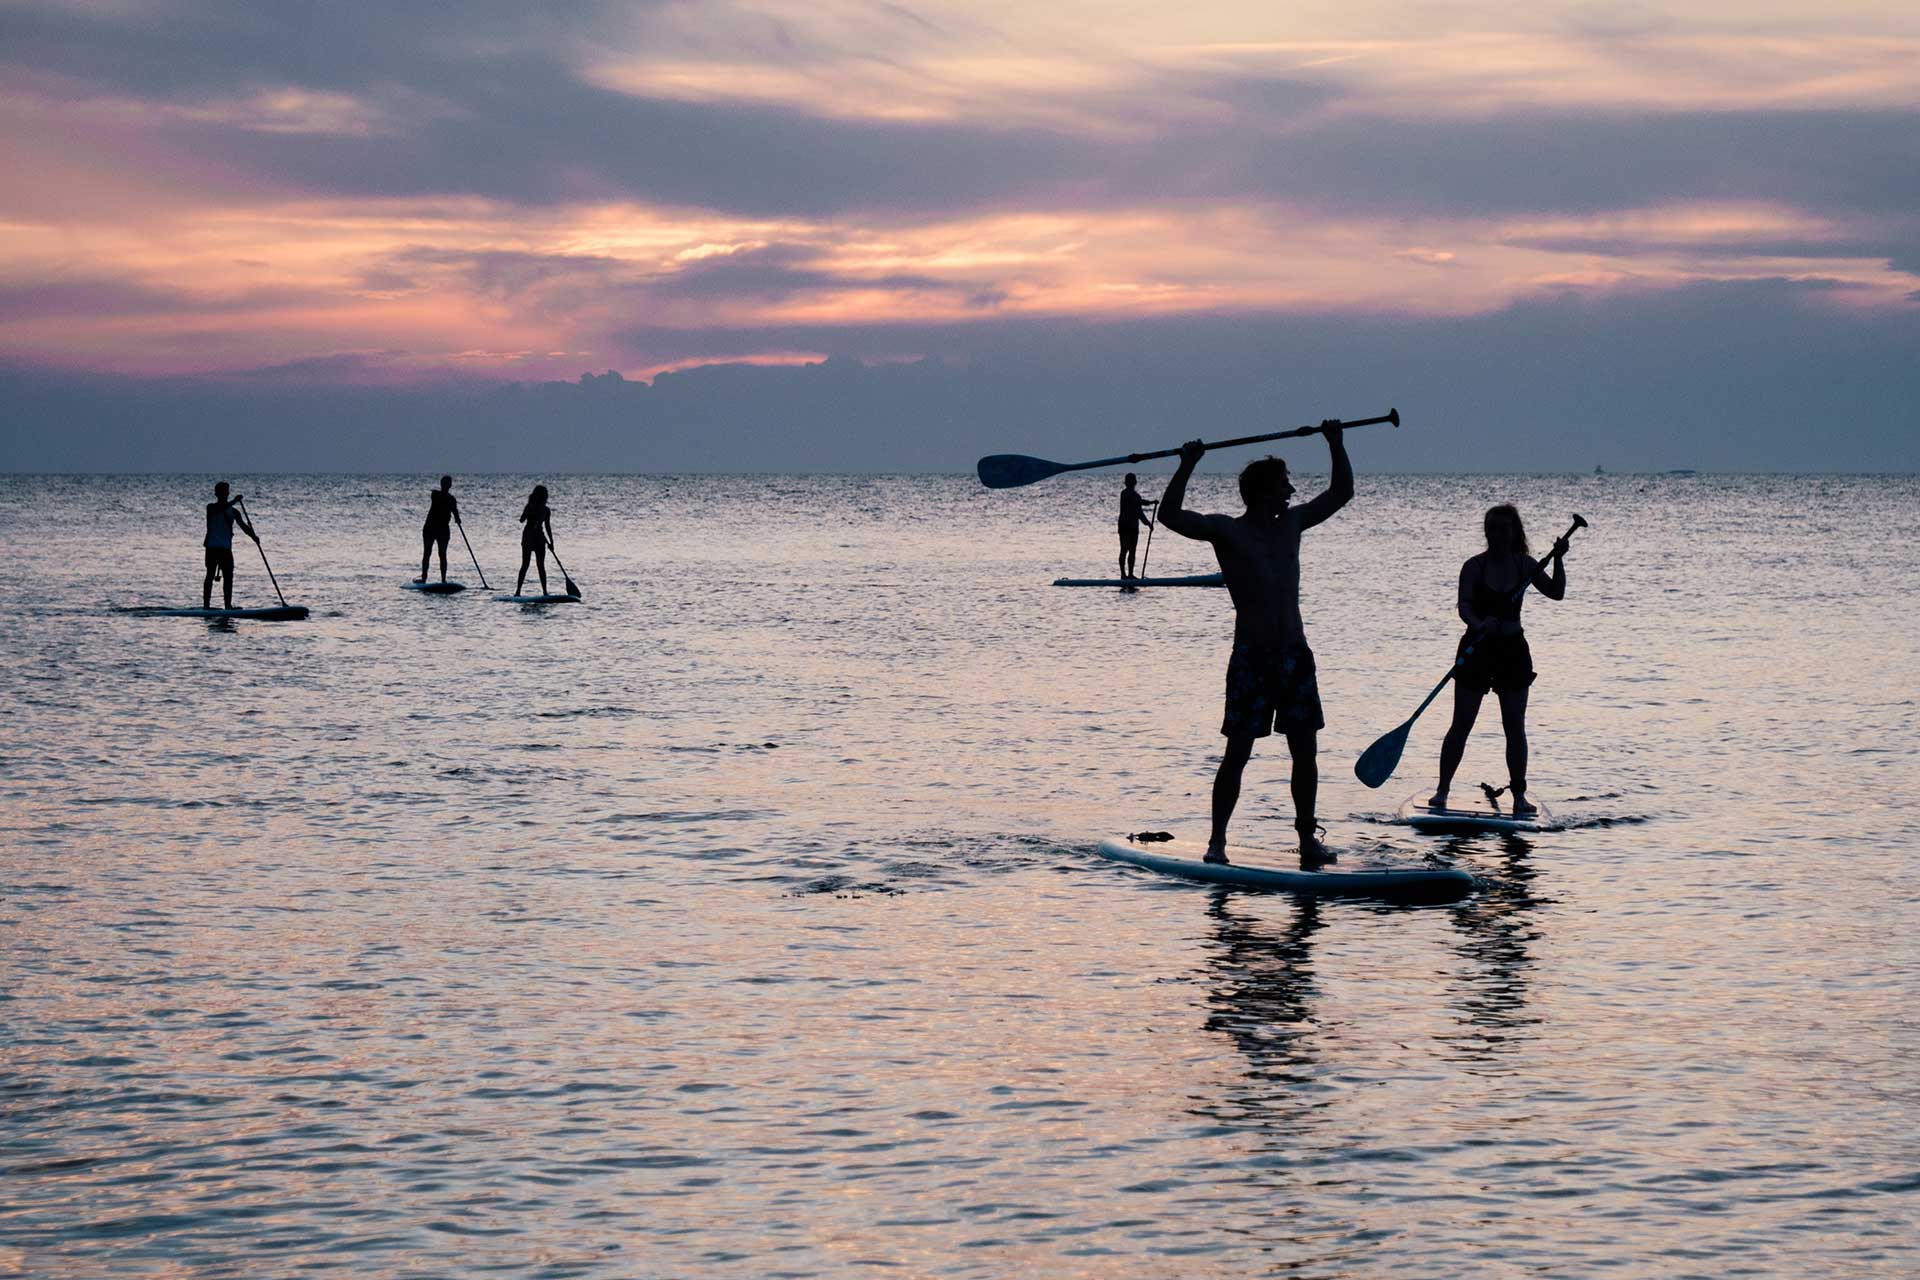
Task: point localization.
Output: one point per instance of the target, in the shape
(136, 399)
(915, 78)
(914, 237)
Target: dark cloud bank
(1760, 376)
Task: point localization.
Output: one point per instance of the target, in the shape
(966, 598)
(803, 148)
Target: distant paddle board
(552, 599)
(1257, 869)
(1417, 814)
(1194, 580)
(273, 613)
(434, 588)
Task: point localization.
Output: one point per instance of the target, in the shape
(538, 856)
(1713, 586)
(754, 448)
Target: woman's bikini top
(1488, 603)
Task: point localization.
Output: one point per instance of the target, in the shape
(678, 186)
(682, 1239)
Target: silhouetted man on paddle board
(1270, 678)
(222, 516)
(1133, 514)
(443, 512)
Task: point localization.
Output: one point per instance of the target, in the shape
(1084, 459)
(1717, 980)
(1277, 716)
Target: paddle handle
(263, 552)
(1391, 415)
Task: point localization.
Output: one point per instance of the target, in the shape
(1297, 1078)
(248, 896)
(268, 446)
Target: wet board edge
(1414, 813)
(1196, 580)
(1426, 884)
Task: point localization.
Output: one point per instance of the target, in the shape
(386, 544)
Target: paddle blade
(572, 590)
(1377, 763)
(1011, 470)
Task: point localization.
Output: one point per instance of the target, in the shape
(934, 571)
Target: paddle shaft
(564, 575)
(1148, 553)
(263, 552)
(476, 559)
(1392, 416)
(1013, 470)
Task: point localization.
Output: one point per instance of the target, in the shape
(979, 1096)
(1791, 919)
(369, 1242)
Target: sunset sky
(398, 195)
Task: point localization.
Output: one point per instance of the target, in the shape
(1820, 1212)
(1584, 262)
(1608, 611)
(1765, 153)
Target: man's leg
(1304, 746)
(426, 554)
(1226, 792)
(226, 578)
(443, 559)
(1513, 718)
(206, 588)
(1453, 748)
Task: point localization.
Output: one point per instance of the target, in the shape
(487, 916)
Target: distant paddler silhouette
(223, 514)
(1133, 514)
(443, 512)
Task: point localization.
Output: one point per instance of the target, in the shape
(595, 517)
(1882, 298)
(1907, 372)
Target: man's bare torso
(1260, 559)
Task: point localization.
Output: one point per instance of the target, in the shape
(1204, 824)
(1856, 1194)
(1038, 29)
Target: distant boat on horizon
(1683, 471)
(1599, 470)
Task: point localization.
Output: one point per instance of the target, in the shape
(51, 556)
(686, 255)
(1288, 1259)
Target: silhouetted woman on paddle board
(1493, 654)
(536, 537)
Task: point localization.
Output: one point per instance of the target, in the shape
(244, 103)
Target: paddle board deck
(1258, 869)
(1193, 580)
(549, 599)
(434, 588)
(1417, 814)
(272, 613)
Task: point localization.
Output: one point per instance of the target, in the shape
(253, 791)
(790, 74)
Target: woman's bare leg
(1453, 748)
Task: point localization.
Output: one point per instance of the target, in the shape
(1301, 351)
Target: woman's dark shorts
(1503, 664)
(1269, 689)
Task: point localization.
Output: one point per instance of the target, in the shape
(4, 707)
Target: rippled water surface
(744, 919)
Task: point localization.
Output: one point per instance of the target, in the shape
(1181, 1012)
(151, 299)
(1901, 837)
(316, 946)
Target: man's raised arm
(1340, 492)
(1173, 512)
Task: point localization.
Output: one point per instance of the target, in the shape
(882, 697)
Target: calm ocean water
(744, 920)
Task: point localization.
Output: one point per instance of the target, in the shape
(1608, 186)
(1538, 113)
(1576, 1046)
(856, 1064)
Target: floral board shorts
(1269, 689)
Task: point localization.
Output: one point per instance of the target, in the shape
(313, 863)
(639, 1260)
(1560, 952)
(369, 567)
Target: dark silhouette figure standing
(535, 538)
(1271, 682)
(1501, 660)
(443, 512)
(222, 516)
(1133, 514)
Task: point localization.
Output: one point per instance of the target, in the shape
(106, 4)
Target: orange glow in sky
(679, 180)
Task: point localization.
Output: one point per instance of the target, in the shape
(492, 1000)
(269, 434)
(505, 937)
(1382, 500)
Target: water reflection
(1496, 929)
(1261, 989)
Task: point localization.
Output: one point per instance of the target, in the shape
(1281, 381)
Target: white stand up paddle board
(1194, 580)
(434, 588)
(273, 613)
(549, 599)
(1255, 869)
(1417, 814)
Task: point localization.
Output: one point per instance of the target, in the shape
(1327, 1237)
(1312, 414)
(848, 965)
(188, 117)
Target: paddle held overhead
(1011, 470)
